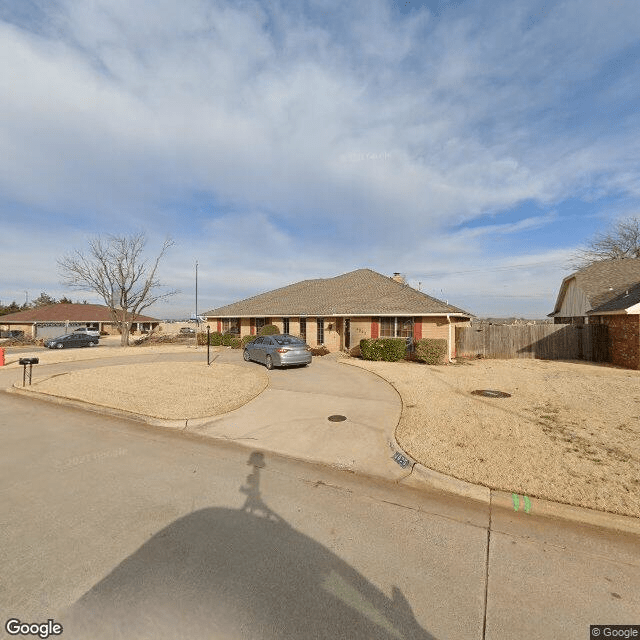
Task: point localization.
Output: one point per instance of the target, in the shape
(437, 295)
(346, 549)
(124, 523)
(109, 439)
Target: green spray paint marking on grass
(527, 504)
(516, 501)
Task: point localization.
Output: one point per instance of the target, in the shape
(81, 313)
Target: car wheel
(59, 345)
(93, 344)
(268, 362)
(246, 357)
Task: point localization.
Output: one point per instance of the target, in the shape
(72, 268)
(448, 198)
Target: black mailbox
(24, 362)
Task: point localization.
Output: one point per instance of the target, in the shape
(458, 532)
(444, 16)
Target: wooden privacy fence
(545, 341)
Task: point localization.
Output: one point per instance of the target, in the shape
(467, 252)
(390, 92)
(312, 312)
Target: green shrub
(247, 339)
(431, 350)
(269, 330)
(235, 343)
(215, 338)
(387, 349)
(201, 337)
(227, 339)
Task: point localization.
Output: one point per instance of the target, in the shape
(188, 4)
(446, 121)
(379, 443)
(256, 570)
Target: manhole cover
(491, 393)
(337, 418)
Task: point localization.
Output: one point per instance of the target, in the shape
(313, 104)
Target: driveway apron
(292, 416)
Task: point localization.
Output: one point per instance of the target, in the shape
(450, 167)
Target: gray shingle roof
(360, 292)
(605, 284)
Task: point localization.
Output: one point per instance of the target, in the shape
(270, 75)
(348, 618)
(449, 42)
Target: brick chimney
(398, 277)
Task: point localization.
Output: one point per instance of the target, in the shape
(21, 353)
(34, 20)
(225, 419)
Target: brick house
(606, 293)
(338, 312)
(57, 319)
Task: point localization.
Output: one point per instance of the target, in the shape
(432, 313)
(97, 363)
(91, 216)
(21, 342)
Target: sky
(472, 146)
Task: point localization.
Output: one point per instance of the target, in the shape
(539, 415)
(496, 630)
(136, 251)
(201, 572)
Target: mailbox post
(30, 362)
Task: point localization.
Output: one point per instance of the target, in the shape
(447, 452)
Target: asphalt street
(115, 529)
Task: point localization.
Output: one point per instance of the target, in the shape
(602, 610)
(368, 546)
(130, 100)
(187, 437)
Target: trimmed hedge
(431, 350)
(235, 343)
(215, 338)
(227, 339)
(248, 339)
(387, 349)
(269, 330)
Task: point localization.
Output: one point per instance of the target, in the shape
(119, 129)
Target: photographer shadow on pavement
(226, 573)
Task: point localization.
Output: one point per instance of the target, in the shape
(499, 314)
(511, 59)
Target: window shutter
(374, 328)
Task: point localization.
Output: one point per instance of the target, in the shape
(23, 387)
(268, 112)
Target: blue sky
(472, 146)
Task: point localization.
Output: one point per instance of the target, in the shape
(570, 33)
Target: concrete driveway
(291, 416)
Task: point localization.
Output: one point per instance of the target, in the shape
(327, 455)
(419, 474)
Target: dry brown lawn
(172, 390)
(570, 432)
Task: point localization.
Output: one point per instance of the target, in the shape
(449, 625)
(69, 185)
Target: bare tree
(116, 270)
(621, 241)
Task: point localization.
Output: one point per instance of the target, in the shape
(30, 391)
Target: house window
(231, 325)
(387, 328)
(285, 325)
(260, 322)
(400, 327)
(320, 330)
(303, 328)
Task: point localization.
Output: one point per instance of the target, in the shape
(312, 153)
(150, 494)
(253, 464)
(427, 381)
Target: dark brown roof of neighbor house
(360, 292)
(63, 311)
(609, 285)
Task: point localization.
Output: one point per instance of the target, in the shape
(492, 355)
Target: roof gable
(359, 292)
(605, 283)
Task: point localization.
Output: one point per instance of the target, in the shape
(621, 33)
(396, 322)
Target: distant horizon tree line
(43, 300)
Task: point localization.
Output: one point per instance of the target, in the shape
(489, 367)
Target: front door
(347, 333)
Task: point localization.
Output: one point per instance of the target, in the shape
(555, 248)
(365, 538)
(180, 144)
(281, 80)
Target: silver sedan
(280, 350)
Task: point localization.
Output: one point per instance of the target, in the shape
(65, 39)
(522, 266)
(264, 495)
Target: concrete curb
(176, 424)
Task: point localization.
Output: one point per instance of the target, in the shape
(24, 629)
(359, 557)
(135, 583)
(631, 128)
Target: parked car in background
(90, 332)
(187, 330)
(75, 339)
(280, 350)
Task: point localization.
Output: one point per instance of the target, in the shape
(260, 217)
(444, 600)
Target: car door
(255, 350)
(76, 340)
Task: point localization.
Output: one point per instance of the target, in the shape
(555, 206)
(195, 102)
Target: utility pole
(197, 321)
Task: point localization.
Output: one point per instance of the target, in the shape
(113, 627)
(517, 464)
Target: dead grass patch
(569, 433)
(175, 390)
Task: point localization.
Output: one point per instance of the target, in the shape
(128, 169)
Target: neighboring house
(338, 312)
(607, 293)
(57, 319)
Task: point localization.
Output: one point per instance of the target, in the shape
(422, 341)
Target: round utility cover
(337, 418)
(491, 393)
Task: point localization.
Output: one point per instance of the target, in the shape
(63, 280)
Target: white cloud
(358, 136)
